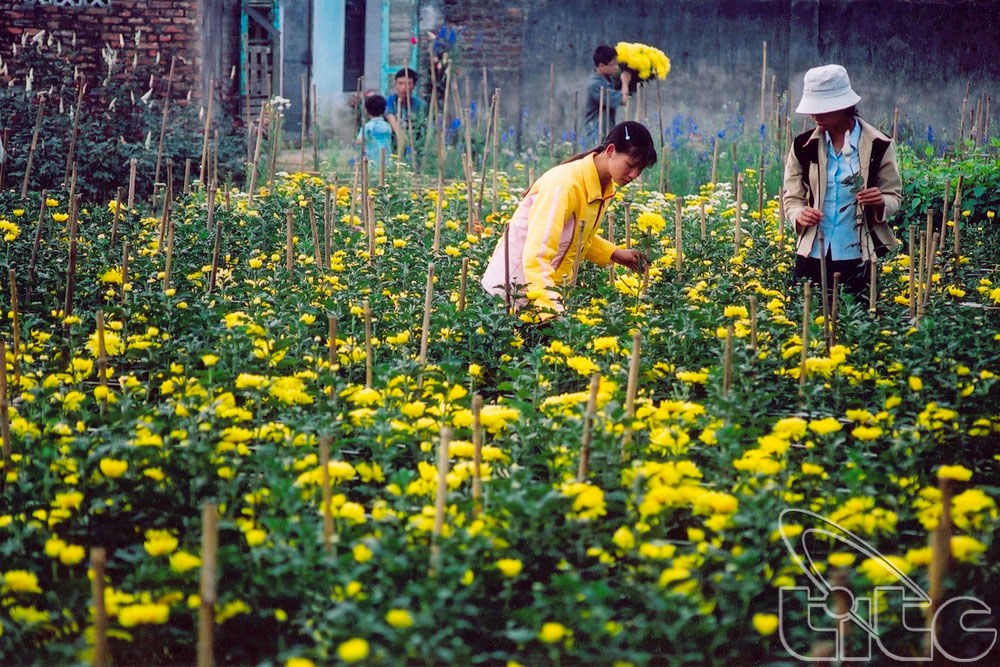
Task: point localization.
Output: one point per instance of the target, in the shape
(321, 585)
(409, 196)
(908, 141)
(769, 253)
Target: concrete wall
(917, 55)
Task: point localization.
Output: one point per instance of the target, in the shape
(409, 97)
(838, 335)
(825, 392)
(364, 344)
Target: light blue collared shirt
(839, 225)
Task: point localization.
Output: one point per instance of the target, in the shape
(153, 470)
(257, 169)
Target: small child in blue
(376, 133)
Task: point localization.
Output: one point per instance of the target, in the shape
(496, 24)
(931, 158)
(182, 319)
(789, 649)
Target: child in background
(402, 106)
(605, 68)
(555, 226)
(376, 135)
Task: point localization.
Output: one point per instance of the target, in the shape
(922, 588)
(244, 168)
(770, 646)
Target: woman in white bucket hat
(842, 184)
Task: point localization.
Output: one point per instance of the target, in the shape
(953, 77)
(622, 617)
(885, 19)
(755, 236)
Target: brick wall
(168, 27)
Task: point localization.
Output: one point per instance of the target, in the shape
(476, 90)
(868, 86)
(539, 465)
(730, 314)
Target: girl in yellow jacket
(555, 226)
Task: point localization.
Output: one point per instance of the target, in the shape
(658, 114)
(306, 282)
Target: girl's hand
(630, 259)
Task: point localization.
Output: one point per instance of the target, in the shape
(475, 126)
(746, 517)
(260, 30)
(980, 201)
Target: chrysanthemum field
(665, 546)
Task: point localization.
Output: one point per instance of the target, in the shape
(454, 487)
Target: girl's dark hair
(631, 138)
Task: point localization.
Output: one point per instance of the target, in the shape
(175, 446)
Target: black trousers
(853, 273)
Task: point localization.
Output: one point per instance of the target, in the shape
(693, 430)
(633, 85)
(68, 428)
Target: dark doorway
(354, 43)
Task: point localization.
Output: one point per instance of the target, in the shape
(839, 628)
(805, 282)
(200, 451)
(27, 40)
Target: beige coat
(797, 197)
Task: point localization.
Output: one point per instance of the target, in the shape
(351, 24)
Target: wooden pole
(289, 241)
(132, 169)
(806, 294)
(34, 146)
(496, 147)
(440, 496)
(98, 557)
(678, 227)
(486, 154)
(4, 416)
(961, 116)
(81, 88)
(702, 218)
(124, 270)
(940, 553)
(715, 158)
(630, 391)
(163, 121)
(170, 237)
(956, 237)
(781, 217)
(823, 287)
(588, 419)
(477, 454)
(753, 323)
(872, 274)
(256, 155)
(324, 462)
(206, 610)
(920, 286)
(202, 172)
(628, 226)
(16, 325)
(895, 124)
(834, 305)
(317, 258)
(366, 306)
(438, 214)
(425, 326)
(329, 214)
(305, 116)
(659, 116)
(763, 85)
(463, 276)
(738, 217)
(217, 245)
(611, 237)
(71, 264)
(331, 344)
(727, 368)
(910, 271)
(37, 243)
(102, 361)
(552, 108)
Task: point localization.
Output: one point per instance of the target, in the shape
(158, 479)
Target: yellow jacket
(554, 226)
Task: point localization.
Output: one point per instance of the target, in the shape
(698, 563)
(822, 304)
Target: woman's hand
(630, 259)
(871, 197)
(809, 216)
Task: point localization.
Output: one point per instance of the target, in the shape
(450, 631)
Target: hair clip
(627, 138)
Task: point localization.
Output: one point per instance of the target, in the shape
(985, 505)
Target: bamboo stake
(467, 169)
(329, 212)
(163, 122)
(961, 115)
(124, 270)
(289, 241)
(331, 344)
(552, 107)
(611, 237)
(946, 202)
(920, 277)
(438, 214)
(678, 227)
(71, 265)
(102, 361)
(630, 392)
(600, 114)
(204, 135)
(895, 124)
(463, 276)
(38, 240)
(760, 183)
(170, 243)
(477, 455)
(496, 147)
(354, 194)
(738, 222)
(486, 154)
(81, 88)
(628, 226)
(370, 210)
(507, 296)
(763, 85)
(256, 155)
(425, 326)
(366, 306)
(835, 304)
(315, 234)
(727, 368)
(187, 177)
(956, 237)
(16, 322)
(932, 244)
(132, 169)
(913, 287)
(276, 140)
(98, 557)
(324, 462)
(715, 158)
(588, 420)
(753, 323)
(305, 115)
(4, 417)
(781, 217)
(940, 553)
(823, 289)
(432, 107)
(485, 102)
(217, 248)
(440, 496)
(117, 215)
(33, 148)
(663, 185)
(872, 273)
(206, 610)
(5, 141)
(702, 219)
(315, 129)
(806, 294)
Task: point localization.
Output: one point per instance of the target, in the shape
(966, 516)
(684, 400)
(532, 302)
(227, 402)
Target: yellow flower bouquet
(644, 61)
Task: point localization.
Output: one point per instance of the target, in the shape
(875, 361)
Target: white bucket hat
(826, 89)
